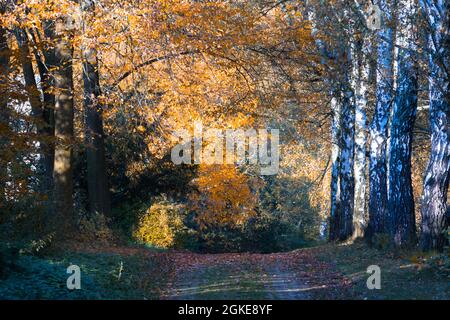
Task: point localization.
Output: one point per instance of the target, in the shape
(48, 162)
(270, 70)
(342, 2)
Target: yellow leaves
(133, 21)
(242, 120)
(140, 129)
(160, 224)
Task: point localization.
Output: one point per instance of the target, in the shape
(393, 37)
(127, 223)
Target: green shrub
(263, 233)
(166, 223)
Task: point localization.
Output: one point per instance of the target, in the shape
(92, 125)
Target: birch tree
(327, 55)
(346, 176)
(435, 187)
(379, 124)
(337, 57)
(335, 160)
(401, 217)
(361, 77)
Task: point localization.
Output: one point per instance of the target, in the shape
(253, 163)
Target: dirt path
(297, 275)
(246, 276)
(324, 272)
(284, 284)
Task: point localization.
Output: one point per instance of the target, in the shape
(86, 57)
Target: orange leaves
(224, 196)
(140, 129)
(230, 72)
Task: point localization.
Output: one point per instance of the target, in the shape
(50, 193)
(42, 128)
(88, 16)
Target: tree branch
(149, 62)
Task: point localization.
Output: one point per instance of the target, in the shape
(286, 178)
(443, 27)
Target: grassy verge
(404, 274)
(103, 276)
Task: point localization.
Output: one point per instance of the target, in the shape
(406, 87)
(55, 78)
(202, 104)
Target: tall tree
(99, 200)
(327, 58)
(335, 160)
(64, 131)
(401, 217)
(347, 139)
(5, 54)
(435, 187)
(360, 87)
(45, 59)
(378, 197)
(40, 118)
(346, 174)
(29, 77)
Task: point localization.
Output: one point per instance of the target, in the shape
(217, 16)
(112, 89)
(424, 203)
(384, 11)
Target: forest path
(283, 276)
(284, 284)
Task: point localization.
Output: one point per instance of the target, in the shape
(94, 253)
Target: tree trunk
(347, 143)
(336, 109)
(5, 54)
(346, 176)
(434, 203)
(99, 200)
(360, 87)
(64, 133)
(40, 118)
(30, 80)
(379, 126)
(335, 153)
(48, 104)
(401, 221)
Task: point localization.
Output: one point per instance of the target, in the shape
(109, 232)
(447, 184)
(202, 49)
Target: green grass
(103, 276)
(402, 276)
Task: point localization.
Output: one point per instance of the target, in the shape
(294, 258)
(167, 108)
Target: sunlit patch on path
(241, 276)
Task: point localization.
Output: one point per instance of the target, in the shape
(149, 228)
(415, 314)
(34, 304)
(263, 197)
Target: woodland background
(92, 91)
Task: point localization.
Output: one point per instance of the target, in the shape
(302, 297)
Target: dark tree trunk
(64, 132)
(401, 221)
(96, 165)
(99, 200)
(435, 189)
(434, 203)
(40, 115)
(48, 104)
(401, 217)
(30, 80)
(5, 54)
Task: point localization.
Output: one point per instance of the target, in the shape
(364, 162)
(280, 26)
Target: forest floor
(133, 272)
